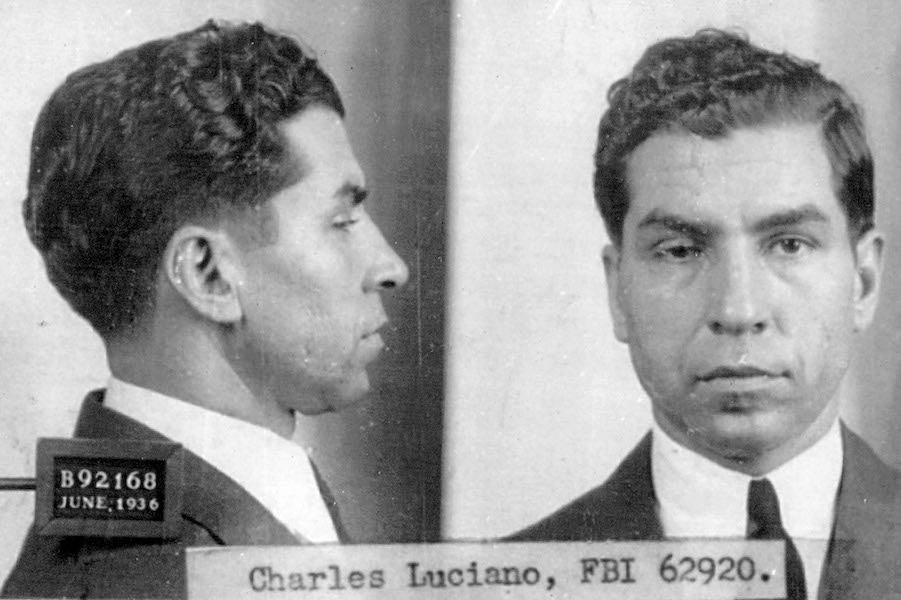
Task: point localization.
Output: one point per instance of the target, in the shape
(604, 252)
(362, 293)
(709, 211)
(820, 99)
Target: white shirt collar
(699, 498)
(274, 470)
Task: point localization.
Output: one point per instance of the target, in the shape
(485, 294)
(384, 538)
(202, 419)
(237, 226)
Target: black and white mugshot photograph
(672, 304)
(371, 278)
(224, 229)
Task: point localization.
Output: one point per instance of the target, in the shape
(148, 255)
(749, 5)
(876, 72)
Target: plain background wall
(542, 402)
(382, 459)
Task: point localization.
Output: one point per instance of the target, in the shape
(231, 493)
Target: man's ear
(611, 271)
(868, 277)
(200, 264)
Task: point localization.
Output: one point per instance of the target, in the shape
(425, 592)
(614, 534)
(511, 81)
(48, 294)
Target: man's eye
(678, 252)
(346, 219)
(791, 246)
(345, 222)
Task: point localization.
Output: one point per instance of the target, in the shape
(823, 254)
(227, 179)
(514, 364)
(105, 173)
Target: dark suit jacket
(215, 511)
(864, 556)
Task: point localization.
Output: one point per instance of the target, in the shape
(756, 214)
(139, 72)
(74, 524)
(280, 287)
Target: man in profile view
(196, 199)
(736, 186)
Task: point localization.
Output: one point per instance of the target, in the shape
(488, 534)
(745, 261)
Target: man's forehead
(770, 166)
(678, 150)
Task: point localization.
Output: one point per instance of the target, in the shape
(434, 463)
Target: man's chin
(744, 437)
(330, 397)
(347, 393)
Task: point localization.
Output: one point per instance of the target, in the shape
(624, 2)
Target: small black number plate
(109, 488)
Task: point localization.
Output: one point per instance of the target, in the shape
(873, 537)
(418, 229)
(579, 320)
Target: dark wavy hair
(715, 82)
(127, 150)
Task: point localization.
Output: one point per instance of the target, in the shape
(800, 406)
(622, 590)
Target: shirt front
(699, 498)
(272, 469)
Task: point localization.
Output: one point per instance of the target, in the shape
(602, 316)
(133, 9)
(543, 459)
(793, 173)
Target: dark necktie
(765, 523)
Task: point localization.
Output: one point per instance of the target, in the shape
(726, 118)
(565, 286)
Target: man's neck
(191, 366)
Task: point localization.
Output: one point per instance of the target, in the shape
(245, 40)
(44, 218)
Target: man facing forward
(196, 199)
(736, 186)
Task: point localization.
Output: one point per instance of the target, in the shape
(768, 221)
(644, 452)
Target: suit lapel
(631, 490)
(211, 499)
(229, 513)
(863, 561)
(623, 508)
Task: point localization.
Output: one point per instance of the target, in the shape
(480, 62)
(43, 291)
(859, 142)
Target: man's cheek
(657, 318)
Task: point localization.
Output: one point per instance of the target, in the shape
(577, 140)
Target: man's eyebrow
(693, 228)
(357, 194)
(807, 213)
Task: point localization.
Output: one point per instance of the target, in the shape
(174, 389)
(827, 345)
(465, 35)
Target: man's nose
(388, 270)
(737, 301)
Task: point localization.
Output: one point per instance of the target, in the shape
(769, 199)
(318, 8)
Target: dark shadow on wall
(382, 459)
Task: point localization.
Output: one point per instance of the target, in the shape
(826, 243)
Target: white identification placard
(691, 569)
